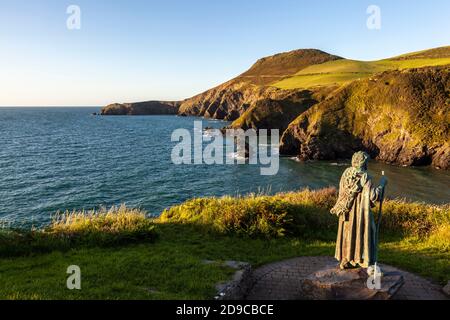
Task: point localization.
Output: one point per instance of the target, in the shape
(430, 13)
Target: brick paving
(282, 281)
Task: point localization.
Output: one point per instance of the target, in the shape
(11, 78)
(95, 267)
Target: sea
(57, 159)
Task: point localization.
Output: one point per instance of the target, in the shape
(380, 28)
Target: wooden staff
(379, 217)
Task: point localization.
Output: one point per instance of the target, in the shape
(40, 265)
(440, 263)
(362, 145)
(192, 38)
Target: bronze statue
(357, 238)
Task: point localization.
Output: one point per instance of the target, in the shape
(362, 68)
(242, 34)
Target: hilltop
(327, 106)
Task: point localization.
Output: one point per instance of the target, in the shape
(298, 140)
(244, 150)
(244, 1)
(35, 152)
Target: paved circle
(282, 280)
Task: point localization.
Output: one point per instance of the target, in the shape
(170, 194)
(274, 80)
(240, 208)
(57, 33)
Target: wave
(339, 164)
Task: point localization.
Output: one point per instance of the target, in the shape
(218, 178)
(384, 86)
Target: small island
(141, 108)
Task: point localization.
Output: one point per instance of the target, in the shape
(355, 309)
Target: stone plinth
(331, 283)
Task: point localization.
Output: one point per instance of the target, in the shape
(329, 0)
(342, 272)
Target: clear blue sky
(173, 49)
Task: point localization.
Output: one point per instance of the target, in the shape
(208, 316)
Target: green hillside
(342, 71)
(273, 68)
(397, 116)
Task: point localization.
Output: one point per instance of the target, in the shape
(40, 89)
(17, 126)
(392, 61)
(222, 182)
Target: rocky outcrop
(231, 99)
(141, 108)
(446, 289)
(400, 117)
(275, 114)
(228, 101)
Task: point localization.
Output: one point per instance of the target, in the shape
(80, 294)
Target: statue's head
(359, 160)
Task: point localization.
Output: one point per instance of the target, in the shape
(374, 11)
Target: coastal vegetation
(102, 227)
(397, 116)
(125, 254)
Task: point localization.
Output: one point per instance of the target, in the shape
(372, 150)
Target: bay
(56, 159)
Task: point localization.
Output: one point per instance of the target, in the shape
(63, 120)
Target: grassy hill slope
(231, 99)
(272, 68)
(344, 70)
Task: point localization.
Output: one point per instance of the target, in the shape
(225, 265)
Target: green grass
(314, 80)
(171, 268)
(343, 71)
(103, 227)
(415, 237)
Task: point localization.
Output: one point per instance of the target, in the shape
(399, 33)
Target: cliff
(231, 99)
(141, 108)
(327, 106)
(399, 117)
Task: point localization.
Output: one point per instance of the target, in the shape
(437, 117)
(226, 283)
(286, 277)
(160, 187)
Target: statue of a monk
(356, 243)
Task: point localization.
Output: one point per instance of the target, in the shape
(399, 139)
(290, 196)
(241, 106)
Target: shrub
(440, 238)
(251, 215)
(116, 226)
(413, 218)
(304, 213)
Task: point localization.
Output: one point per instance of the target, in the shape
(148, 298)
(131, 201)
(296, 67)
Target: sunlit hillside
(343, 70)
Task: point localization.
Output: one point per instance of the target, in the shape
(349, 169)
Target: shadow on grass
(15, 243)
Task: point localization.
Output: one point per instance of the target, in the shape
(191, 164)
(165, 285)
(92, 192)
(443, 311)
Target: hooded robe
(356, 239)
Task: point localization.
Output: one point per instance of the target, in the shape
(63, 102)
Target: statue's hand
(383, 181)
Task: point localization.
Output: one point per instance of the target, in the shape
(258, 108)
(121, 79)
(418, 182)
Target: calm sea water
(64, 158)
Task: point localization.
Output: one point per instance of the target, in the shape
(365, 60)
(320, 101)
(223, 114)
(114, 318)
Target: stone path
(282, 281)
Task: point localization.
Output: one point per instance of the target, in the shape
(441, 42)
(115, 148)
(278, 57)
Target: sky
(132, 50)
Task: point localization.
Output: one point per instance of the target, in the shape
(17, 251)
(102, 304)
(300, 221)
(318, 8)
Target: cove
(63, 159)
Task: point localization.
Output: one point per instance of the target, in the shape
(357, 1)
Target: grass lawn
(171, 265)
(171, 268)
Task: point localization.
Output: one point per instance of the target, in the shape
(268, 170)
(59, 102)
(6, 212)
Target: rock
(446, 289)
(142, 108)
(331, 283)
(238, 287)
(236, 264)
(275, 114)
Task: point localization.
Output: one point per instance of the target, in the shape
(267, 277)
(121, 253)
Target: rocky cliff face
(228, 101)
(141, 108)
(400, 117)
(231, 99)
(279, 112)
